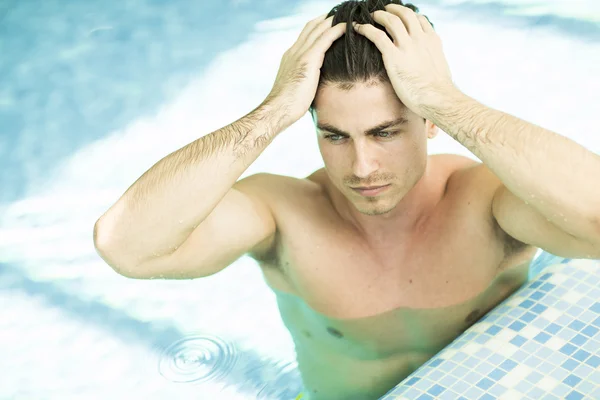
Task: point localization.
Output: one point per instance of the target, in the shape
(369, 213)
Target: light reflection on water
(197, 359)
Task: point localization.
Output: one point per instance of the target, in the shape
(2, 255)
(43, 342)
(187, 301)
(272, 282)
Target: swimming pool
(92, 96)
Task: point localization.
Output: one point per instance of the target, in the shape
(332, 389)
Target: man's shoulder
(455, 162)
(476, 185)
(275, 188)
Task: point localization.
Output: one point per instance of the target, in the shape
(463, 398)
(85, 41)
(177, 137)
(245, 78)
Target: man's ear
(431, 129)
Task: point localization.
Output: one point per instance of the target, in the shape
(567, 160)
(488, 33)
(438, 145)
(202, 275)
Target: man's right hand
(296, 83)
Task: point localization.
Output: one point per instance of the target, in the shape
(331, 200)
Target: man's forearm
(159, 211)
(551, 172)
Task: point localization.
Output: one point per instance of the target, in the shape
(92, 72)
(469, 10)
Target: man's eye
(333, 137)
(384, 135)
(387, 134)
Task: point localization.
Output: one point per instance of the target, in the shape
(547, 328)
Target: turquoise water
(93, 93)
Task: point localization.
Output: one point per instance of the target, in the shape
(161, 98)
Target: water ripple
(197, 358)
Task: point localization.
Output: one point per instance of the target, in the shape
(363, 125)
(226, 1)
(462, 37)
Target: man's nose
(365, 161)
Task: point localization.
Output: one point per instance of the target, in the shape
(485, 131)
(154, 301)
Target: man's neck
(404, 220)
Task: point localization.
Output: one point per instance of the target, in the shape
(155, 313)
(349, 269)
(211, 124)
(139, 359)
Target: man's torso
(364, 316)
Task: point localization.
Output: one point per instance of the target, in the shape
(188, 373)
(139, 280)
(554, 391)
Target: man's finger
(309, 28)
(316, 33)
(324, 42)
(425, 23)
(393, 25)
(377, 36)
(408, 17)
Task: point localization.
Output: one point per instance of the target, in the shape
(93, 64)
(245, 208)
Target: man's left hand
(414, 60)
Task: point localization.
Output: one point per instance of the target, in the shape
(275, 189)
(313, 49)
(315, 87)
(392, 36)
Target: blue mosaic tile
(484, 384)
(579, 340)
(570, 365)
(412, 381)
(547, 287)
(436, 362)
(535, 285)
(527, 304)
(496, 374)
(436, 389)
(537, 295)
(493, 330)
(593, 361)
(561, 344)
(581, 355)
(539, 308)
(572, 380)
(568, 349)
(574, 395)
(553, 328)
(527, 317)
(590, 331)
(542, 337)
(508, 365)
(577, 325)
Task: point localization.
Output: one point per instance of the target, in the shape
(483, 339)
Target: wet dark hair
(354, 58)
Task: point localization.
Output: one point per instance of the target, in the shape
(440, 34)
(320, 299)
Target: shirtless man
(370, 283)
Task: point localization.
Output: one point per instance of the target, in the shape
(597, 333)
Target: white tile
(551, 314)
(529, 331)
(547, 383)
(507, 350)
(555, 343)
(572, 296)
(515, 376)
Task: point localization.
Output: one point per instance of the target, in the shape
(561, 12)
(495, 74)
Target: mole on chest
(334, 332)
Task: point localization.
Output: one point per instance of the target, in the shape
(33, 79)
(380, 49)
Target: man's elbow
(106, 249)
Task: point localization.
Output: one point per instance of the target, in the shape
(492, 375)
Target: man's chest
(418, 288)
(452, 259)
(366, 305)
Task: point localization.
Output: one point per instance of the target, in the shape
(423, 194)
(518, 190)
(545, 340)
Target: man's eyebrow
(376, 129)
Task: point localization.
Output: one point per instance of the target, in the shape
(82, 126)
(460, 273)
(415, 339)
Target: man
(384, 256)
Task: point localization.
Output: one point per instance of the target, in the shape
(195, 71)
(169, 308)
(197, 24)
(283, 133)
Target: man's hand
(414, 61)
(298, 76)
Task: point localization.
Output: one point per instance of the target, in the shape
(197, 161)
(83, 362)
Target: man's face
(360, 149)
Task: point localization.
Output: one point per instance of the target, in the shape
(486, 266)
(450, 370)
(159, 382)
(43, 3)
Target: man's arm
(175, 200)
(546, 195)
(543, 175)
(156, 215)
